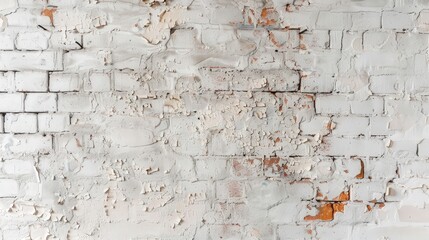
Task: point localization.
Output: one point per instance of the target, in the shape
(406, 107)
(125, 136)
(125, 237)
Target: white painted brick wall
(291, 119)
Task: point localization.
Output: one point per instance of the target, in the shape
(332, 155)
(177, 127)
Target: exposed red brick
(49, 12)
(361, 174)
(338, 207)
(269, 162)
(274, 165)
(246, 167)
(344, 196)
(326, 213)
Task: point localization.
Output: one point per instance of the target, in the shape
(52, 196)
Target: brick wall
(214, 119)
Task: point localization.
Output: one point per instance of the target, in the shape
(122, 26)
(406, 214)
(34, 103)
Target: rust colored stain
(274, 40)
(310, 97)
(249, 14)
(330, 126)
(267, 17)
(237, 166)
(285, 101)
(274, 164)
(234, 189)
(269, 162)
(49, 12)
(78, 143)
(326, 213)
(243, 168)
(361, 174)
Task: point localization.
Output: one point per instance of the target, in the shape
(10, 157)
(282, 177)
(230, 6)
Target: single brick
(18, 167)
(332, 104)
(350, 126)
(362, 21)
(26, 143)
(1, 123)
(7, 40)
(333, 20)
(317, 124)
(53, 122)
(368, 191)
(64, 82)
(32, 40)
(11, 102)
(7, 83)
(74, 103)
(41, 102)
(97, 82)
(8, 188)
(32, 60)
(126, 81)
(397, 20)
(371, 106)
(334, 146)
(20, 123)
(387, 84)
(31, 81)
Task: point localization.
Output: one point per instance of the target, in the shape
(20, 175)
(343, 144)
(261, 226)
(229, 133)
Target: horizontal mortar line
(264, 91)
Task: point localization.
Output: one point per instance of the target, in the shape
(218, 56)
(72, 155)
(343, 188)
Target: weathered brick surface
(291, 119)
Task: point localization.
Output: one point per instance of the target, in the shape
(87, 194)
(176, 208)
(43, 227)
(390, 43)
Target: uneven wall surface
(214, 119)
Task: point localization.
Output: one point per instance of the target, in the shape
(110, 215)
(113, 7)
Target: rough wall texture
(214, 119)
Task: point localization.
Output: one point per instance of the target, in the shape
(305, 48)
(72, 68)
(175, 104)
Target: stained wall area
(214, 119)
